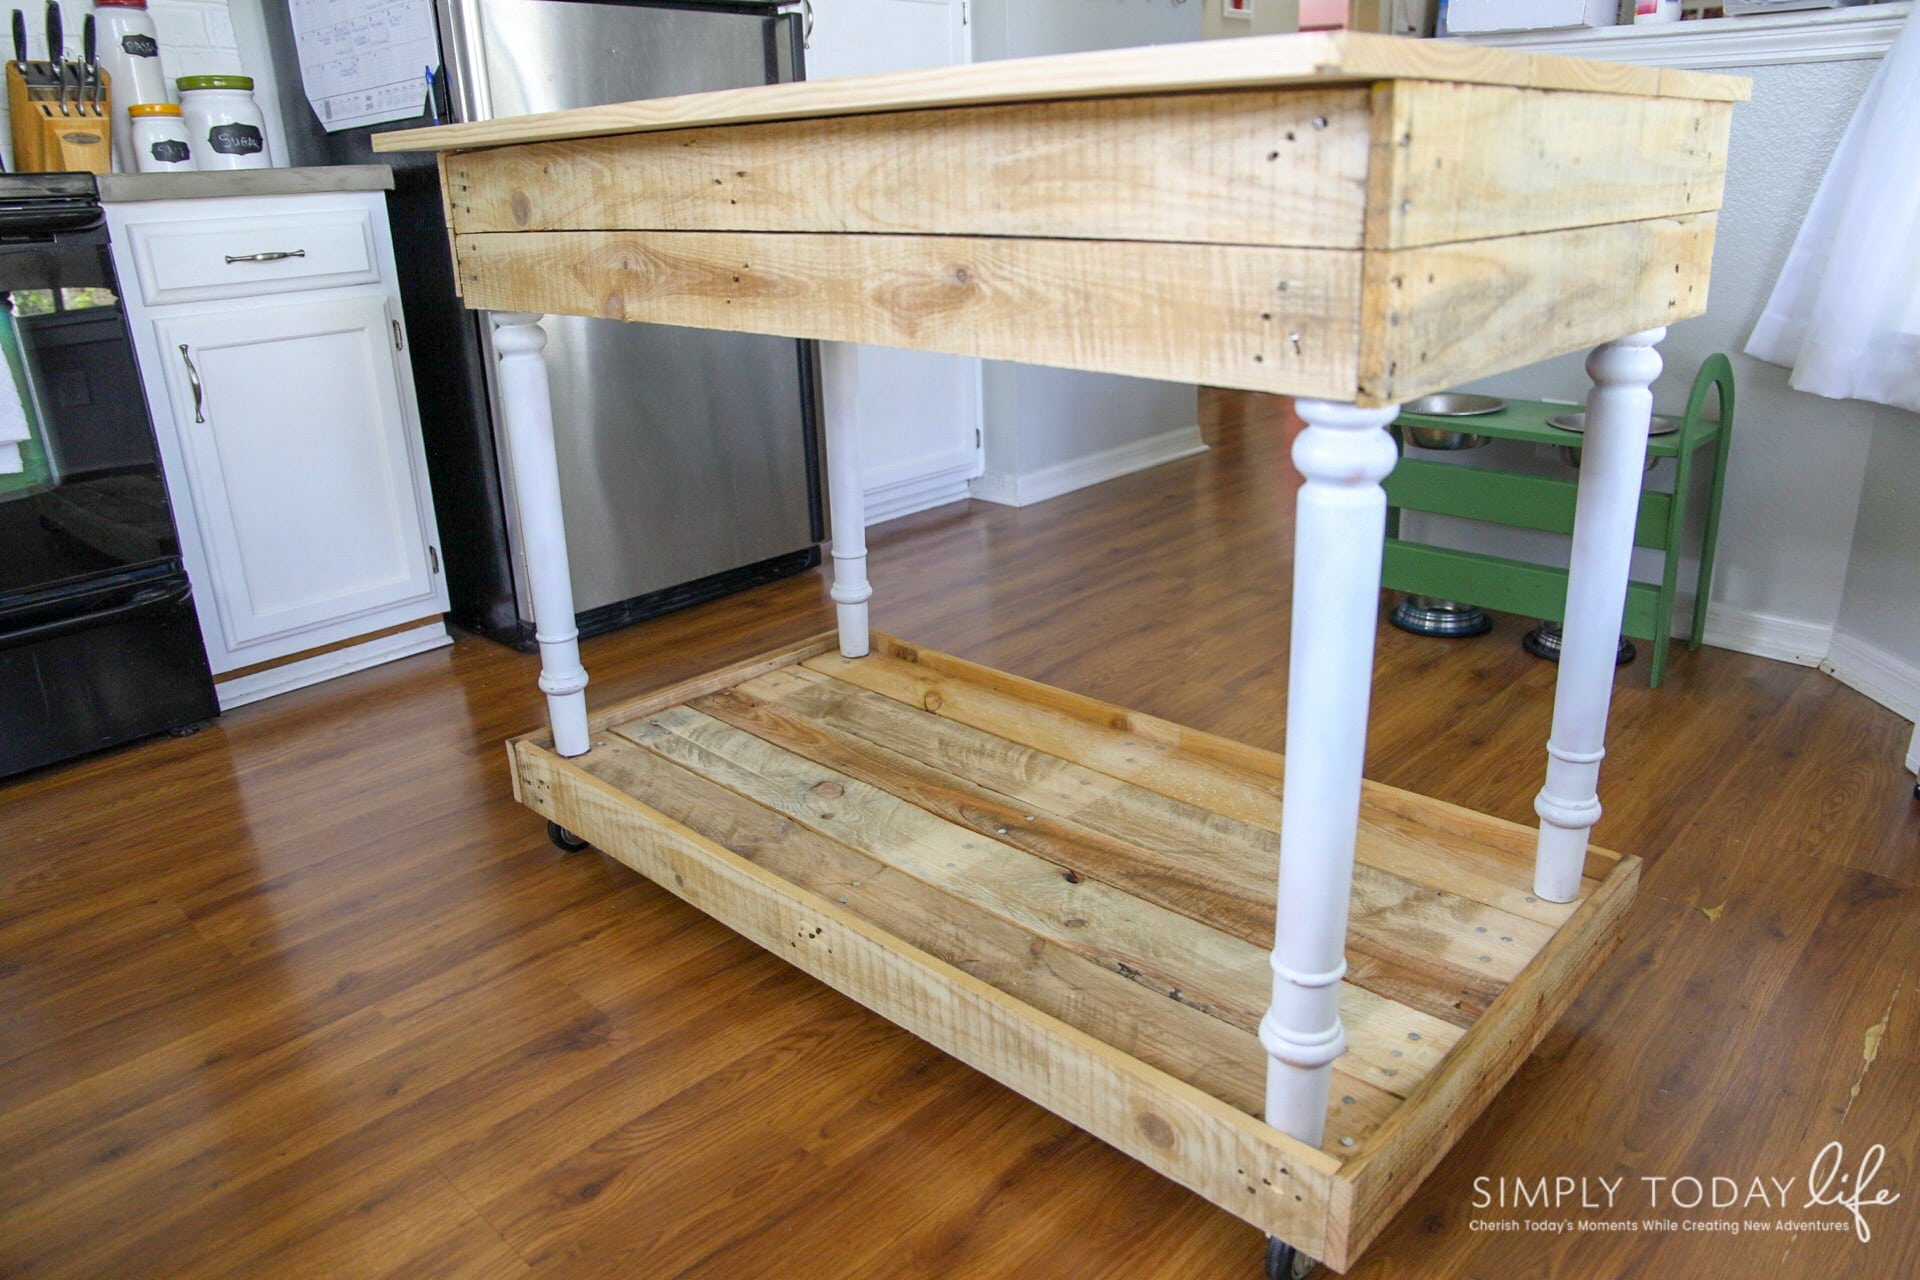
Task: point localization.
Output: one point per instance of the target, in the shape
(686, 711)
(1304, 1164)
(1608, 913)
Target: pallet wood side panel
(1438, 316)
(1260, 63)
(1274, 168)
(1265, 319)
(1419, 1135)
(1233, 1160)
(1458, 162)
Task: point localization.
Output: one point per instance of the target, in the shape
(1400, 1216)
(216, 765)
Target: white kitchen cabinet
(271, 345)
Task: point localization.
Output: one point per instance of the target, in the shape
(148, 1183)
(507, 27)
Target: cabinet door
(296, 448)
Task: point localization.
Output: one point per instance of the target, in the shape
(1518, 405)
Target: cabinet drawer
(194, 261)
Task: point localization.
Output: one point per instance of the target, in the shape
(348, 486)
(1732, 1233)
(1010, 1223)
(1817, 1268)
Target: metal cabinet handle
(193, 380)
(272, 255)
(399, 343)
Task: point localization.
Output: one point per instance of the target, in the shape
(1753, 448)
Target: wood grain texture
(1272, 168)
(447, 207)
(1454, 848)
(1299, 321)
(1223, 1061)
(1177, 958)
(1275, 319)
(868, 773)
(1198, 1141)
(1470, 162)
(1267, 62)
(1418, 944)
(219, 953)
(1439, 316)
(1420, 1133)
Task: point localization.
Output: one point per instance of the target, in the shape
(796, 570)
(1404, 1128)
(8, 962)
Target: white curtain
(1845, 315)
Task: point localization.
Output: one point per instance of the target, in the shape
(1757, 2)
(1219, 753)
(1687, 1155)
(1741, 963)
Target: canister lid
(139, 109)
(189, 84)
(119, 4)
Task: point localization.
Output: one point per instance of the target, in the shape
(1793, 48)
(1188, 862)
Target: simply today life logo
(1834, 1196)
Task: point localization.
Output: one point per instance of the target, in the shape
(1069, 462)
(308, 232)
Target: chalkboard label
(135, 45)
(236, 139)
(170, 151)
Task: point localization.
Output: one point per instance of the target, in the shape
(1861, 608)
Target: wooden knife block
(44, 141)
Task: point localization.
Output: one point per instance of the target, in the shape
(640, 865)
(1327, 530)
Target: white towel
(13, 423)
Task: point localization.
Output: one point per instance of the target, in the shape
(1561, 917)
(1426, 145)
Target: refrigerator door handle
(149, 601)
(464, 58)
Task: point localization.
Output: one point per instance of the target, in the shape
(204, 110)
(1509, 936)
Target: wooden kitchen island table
(1076, 899)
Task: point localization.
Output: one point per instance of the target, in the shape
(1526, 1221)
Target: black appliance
(99, 644)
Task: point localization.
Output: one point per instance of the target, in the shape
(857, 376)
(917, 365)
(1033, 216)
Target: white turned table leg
(1338, 537)
(518, 339)
(846, 502)
(1619, 412)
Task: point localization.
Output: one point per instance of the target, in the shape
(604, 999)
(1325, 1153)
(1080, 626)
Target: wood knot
(933, 702)
(1155, 1129)
(522, 209)
(962, 276)
(829, 790)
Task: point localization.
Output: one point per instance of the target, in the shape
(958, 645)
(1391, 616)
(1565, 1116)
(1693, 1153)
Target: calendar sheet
(365, 61)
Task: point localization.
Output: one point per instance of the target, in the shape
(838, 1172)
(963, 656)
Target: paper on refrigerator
(364, 61)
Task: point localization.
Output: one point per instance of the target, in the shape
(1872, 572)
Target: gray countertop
(122, 188)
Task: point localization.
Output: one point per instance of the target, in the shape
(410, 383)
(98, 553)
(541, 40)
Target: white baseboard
(1766, 635)
(1889, 681)
(325, 666)
(904, 497)
(1107, 464)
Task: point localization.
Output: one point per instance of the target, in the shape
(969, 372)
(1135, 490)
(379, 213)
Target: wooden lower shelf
(1078, 901)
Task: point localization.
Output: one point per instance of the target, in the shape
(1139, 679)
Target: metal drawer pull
(272, 255)
(193, 380)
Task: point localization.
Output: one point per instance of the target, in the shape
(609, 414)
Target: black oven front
(98, 638)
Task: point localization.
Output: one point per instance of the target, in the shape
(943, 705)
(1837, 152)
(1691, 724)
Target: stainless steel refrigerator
(689, 459)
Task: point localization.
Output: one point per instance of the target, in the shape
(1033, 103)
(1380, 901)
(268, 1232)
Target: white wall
(1815, 521)
(1876, 644)
(1049, 431)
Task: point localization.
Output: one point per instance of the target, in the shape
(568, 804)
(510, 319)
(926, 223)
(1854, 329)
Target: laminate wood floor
(308, 995)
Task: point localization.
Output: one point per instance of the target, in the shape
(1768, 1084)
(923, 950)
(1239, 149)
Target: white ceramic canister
(1645, 11)
(224, 124)
(159, 138)
(129, 52)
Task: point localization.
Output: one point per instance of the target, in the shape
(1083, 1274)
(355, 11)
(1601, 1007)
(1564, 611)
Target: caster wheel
(1284, 1262)
(563, 839)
